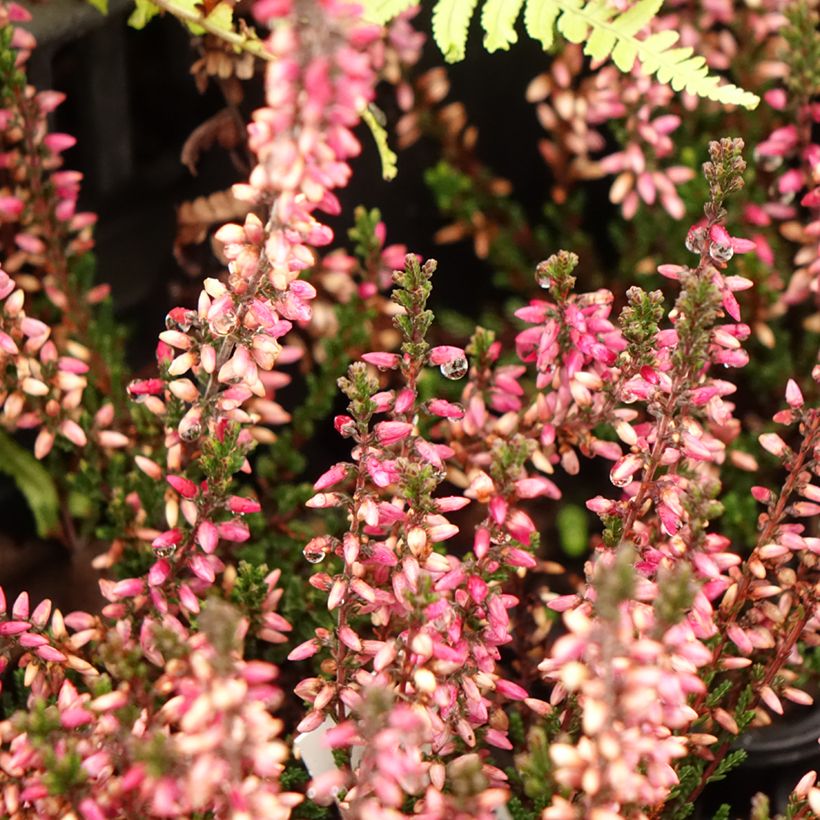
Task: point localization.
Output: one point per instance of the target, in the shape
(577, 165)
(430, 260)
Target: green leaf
(382, 11)
(539, 19)
(142, 14)
(639, 16)
(100, 5)
(221, 17)
(573, 530)
(33, 481)
(498, 21)
(386, 154)
(451, 22)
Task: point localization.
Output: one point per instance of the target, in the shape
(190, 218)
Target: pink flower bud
(625, 468)
(391, 432)
(535, 487)
(794, 396)
(242, 506)
(518, 558)
(236, 531)
(384, 361)
(444, 354)
(345, 426)
(50, 654)
(440, 407)
(334, 475)
(184, 486)
(170, 538)
(73, 432)
(481, 542)
(511, 690)
(773, 444)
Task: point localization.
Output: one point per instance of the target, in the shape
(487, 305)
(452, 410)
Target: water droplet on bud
(543, 279)
(720, 252)
(191, 433)
(313, 553)
(181, 321)
(225, 322)
(454, 369)
(695, 239)
(165, 552)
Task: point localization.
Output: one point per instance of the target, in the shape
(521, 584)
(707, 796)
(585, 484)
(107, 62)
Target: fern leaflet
(604, 32)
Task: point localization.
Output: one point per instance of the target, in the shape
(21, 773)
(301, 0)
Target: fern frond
(382, 11)
(451, 21)
(498, 21)
(595, 23)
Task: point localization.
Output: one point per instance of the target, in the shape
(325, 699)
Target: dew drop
(191, 433)
(225, 323)
(720, 252)
(695, 239)
(543, 279)
(314, 554)
(165, 552)
(454, 369)
(620, 482)
(182, 323)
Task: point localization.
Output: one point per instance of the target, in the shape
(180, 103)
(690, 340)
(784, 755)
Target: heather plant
(560, 564)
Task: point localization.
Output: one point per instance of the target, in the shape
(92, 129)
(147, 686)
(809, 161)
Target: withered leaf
(223, 128)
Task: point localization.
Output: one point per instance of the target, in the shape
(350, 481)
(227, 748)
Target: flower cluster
(444, 616)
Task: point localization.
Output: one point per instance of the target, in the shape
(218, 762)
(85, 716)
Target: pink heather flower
(170, 538)
(440, 407)
(794, 396)
(445, 354)
(242, 505)
(184, 486)
(391, 432)
(384, 361)
(331, 477)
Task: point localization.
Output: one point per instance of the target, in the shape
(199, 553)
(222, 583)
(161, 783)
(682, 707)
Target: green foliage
(572, 523)
(639, 324)
(534, 767)
(295, 777)
(802, 36)
(34, 482)
(730, 762)
(761, 808)
(604, 31)
(498, 21)
(144, 11)
(218, 21)
(373, 119)
(723, 812)
(676, 591)
(451, 21)
(616, 583)
(63, 773)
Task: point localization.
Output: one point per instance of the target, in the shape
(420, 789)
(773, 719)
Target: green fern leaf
(539, 20)
(624, 54)
(498, 21)
(592, 22)
(640, 15)
(382, 11)
(451, 22)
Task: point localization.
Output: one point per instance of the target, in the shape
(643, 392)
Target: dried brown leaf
(222, 128)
